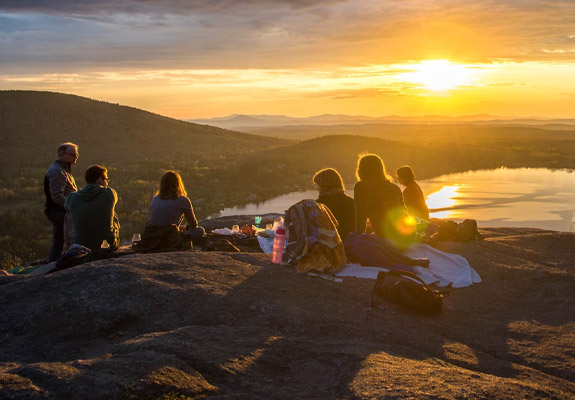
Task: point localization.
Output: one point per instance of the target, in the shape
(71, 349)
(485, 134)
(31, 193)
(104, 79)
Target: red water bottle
(279, 243)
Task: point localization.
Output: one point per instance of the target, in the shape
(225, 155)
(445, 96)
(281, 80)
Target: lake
(518, 197)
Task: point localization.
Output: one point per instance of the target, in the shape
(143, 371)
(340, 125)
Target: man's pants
(57, 219)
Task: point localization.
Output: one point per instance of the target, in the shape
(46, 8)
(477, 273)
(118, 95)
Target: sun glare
(442, 200)
(439, 75)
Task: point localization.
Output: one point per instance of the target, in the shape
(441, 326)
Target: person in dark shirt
(378, 199)
(412, 194)
(92, 211)
(332, 194)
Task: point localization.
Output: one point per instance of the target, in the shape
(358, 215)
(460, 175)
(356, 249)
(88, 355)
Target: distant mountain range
(236, 121)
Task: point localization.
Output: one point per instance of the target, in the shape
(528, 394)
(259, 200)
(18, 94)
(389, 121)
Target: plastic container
(279, 222)
(279, 243)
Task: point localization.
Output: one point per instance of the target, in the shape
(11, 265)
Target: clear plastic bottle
(279, 243)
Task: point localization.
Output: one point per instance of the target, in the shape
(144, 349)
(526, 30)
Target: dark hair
(371, 167)
(64, 146)
(171, 186)
(327, 179)
(405, 173)
(94, 172)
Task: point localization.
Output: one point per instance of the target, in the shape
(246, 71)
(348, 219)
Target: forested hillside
(220, 168)
(136, 146)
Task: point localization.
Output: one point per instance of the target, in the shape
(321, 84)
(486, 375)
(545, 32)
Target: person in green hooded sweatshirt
(92, 211)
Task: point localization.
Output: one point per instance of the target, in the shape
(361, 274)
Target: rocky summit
(234, 326)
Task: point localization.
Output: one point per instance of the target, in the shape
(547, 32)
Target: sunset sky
(206, 58)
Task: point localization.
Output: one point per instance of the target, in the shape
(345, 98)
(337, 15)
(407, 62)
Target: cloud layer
(189, 58)
(69, 34)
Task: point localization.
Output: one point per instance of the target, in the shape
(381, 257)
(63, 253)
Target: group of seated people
(378, 204)
(93, 218)
(91, 222)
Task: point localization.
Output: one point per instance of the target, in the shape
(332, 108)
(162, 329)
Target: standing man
(58, 184)
(92, 210)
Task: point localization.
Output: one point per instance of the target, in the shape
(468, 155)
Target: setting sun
(439, 75)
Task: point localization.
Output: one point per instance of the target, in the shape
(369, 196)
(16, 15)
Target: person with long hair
(171, 205)
(412, 194)
(332, 194)
(378, 199)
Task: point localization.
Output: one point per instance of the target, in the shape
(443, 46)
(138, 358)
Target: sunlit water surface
(522, 197)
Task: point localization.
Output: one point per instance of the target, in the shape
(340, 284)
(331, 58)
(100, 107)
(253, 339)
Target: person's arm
(57, 180)
(188, 211)
(407, 196)
(114, 222)
(399, 196)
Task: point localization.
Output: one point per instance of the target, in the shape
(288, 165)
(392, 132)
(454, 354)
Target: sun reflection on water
(445, 198)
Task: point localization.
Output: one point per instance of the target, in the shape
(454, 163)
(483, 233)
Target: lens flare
(406, 225)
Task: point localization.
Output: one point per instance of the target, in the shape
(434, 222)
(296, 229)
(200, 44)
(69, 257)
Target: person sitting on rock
(379, 200)
(412, 194)
(168, 209)
(92, 210)
(332, 194)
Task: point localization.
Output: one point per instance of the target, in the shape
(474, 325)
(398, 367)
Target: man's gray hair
(64, 146)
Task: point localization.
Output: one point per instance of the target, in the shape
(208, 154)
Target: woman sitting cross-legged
(169, 207)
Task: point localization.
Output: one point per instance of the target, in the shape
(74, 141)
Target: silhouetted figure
(412, 194)
(332, 194)
(378, 199)
(58, 184)
(92, 210)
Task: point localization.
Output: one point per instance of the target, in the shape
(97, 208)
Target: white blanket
(445, 269)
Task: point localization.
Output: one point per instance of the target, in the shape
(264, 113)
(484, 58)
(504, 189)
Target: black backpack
(467, 230)
(407, 290)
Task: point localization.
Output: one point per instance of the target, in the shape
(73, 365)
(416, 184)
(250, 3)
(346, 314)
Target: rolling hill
(108, 133)
(222, 168)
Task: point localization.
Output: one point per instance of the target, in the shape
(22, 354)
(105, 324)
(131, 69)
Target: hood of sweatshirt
(90, 192)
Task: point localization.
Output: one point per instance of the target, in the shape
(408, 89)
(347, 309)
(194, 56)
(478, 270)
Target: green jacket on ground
(93, 216)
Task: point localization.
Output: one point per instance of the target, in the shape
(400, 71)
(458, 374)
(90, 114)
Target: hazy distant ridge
(241, 120)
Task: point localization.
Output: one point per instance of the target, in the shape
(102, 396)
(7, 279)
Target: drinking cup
(136, 239)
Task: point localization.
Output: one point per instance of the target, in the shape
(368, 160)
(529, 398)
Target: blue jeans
(196, 234)
(57, 219)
